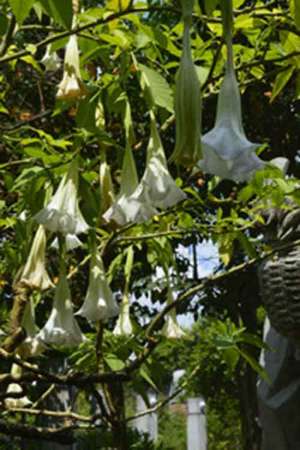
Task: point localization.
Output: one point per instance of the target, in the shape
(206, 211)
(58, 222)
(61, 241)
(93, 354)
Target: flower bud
(106, 186)
(188, 103)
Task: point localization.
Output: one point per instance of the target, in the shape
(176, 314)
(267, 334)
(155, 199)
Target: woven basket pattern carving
(279, 279)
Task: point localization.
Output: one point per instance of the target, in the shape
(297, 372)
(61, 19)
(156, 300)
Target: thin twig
(58, 414)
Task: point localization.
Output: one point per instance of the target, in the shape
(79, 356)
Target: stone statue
(279, 397)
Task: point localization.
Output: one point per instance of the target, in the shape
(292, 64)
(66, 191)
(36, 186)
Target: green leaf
(297, 12)
(254, 364)
(129, 264)
(114, 362)
(247, 245)
(281, 81)
(60, 11)
(158, 88)
(21, 8)
(86, 114)
(145, 374)
(3, 24)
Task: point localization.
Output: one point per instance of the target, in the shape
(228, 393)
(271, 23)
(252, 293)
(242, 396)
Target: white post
(196, 424)
(147, 423)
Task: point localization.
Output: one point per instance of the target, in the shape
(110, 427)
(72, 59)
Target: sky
(207, 259)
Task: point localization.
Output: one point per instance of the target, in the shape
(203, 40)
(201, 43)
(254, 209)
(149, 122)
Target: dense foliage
(76, 140)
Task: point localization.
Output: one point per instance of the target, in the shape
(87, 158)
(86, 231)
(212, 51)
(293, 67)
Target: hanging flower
(157, 189)
(15, 388)
(157, 185)
(34, 274)
(106, 186)
(61, 327)
(227, 152)
(171, 329)
(124, 325)
(51, 60)
(99, 303)
(71, 86)
(72, 242)
(121, 209)
(188, 102)
(62, 214)
(31, 346)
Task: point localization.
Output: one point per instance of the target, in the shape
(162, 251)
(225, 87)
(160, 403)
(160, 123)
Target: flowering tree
(106, 176)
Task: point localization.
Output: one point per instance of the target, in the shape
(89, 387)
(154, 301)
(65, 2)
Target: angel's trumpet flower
(34, 274)
(171, 329)
(157, 189)
(227, 152)
(122, 210)
(124, 325)
(62, 327)
(62, 214)
(51, 60)
(71, 86)
(99, 303)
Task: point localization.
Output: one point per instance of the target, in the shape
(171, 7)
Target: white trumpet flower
(157, 183)
(15, 388)
(62, 327)
(124, 325)
(71, 86)
(171, 329)
(34, 274)
(121, 210)
(227, 152)
(99, 303)
(51, 60)
(71, 240)
(62, 214)
(188, 100)
(157, 189)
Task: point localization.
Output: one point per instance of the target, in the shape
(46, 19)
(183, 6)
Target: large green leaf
(158, 88)
(60, 11)
(295, 11)
(21, 8)
(281, 81)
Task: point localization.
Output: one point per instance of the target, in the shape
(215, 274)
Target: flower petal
(61, 327)
(99, 303)
(62, 214)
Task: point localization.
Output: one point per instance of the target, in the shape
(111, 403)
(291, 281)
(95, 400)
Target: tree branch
(63, 435)
(76, 30)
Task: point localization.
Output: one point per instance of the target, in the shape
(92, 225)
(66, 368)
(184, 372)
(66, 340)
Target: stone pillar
(196, 424)
(149, 422)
